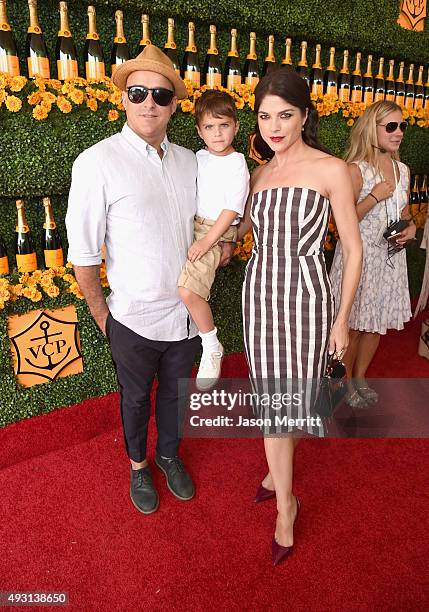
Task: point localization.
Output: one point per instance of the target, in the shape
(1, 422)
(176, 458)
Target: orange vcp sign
(45, 345)
(253, 154)
(412, 15)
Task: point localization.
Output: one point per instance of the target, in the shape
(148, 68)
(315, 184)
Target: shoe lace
(143, 477)
(177, 464)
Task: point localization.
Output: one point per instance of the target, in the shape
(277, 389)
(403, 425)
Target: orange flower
(17, 83)
(350, 122)
(187, 106)
(13, 104)
(76, 96)
(64, 105)
(40, 112)
(101, 95)
(112, 115)
(36, 296)
(92, 104)
(34, 98)
(53, 291)
(239, 103)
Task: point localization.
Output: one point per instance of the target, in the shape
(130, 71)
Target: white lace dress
(382, 299)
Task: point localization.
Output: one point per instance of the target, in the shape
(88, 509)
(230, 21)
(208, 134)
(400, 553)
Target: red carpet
(361, 540)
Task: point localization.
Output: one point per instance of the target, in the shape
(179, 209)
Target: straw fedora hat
(153, 59)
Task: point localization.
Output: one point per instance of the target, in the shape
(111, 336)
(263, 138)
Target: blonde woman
(381, 187)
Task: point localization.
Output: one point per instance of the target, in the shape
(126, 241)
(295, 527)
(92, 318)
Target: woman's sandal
(355, 400)
(368, 394)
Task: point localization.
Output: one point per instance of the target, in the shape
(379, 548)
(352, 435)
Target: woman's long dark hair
(289, 86)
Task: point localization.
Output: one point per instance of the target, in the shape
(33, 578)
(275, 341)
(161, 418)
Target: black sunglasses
(160, 95)
(393, 125)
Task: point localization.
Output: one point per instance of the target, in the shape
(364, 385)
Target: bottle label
(9, 64)
(400, 98)
(427, 104)
(26, 263)
(252, 81)
(38, 66)
(379, 96)
(5, 27)
(356, 96)
(368, 97)
(64, 33)
(317, 89)
(120, 39)
(54, 258)
(390, 97)
(34, 30)
(214, 79)
(4, 265)
(92, 36)
(95, 70)
(409, 102)
(194, 77)
(344, 94)
(233, 81)
(418, 103)
(67, 69)
(331, 90)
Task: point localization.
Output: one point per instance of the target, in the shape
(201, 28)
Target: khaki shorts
(198, 276)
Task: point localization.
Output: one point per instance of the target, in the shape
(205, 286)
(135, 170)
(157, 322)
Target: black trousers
(137, 361)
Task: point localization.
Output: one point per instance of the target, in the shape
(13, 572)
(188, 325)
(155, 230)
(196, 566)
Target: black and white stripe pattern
(287, 302)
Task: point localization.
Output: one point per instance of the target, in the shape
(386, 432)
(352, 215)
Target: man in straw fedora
(136, 192)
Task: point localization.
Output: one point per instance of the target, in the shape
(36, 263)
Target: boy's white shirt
(222, 183)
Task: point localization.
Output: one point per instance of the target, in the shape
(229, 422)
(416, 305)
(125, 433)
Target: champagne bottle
(4, 262)
(400, 86)
(368, 83)
(390, 86)
(191, 63)
(424, 198)
(270, 60)
(409, 88)
(414, 204)
(344, 79)
(9, 61)
(36, 53)
(212, 69)
(120, 51)
(287, 60)
(316, 76)
(145, 40)
(302, 67)
(357, 84)
(427, 92)
(51, 241)
(251, 67)
(379, 83)
(93, 51)
(26, 258)
(330, 82)
(232, 72)
(170, 48)
(66, 51)
(419, 90)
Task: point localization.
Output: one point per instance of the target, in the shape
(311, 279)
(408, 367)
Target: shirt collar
(139, 143)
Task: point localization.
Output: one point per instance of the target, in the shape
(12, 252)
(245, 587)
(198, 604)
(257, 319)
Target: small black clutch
(395, 228)
(332, 389)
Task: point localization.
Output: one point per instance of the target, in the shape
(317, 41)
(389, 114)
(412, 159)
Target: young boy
(222, 189)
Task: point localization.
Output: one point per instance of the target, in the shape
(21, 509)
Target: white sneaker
(209, 370)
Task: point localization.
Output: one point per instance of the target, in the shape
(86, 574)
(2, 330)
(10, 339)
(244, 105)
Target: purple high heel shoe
(263, 494)
(280, 553)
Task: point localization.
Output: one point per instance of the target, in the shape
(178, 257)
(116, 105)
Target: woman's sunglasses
(392, 126)
(160, 95)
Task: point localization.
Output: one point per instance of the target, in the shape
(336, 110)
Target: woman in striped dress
(287, 303)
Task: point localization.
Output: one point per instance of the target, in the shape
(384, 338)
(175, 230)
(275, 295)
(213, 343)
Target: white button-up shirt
(142, 208)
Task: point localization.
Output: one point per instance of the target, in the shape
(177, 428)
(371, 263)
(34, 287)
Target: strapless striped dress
(288, 306)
